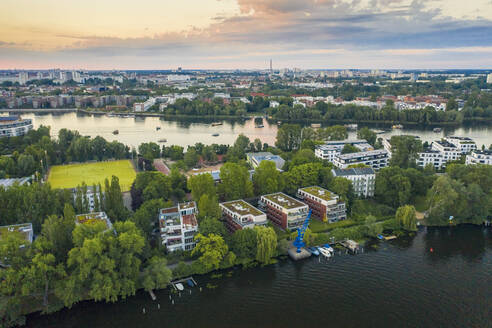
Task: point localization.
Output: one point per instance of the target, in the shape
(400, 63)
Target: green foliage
(156, 274)
(343, 188)
(288, 137)
(235, 182)
(244, 244)
(367, 134)
(266, 179)
(146, 217)
(113, 200)
(404, 151)
(392, 187)
(201, 184)
(348, 148)
(208, 207)
(149, 151)
(213, 250)
(209, 226)
(266, 244)
(405, 216)
(191, 158)
(58, 231)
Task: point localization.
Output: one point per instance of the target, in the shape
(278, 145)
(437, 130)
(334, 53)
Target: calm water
(134, 131)
(401, 284)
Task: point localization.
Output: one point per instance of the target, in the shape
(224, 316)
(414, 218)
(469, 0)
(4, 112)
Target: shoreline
(243, 117)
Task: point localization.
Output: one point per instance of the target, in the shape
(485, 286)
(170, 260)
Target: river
(185, 132)
(442, 277)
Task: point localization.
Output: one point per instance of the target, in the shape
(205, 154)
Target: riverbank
(394, 283)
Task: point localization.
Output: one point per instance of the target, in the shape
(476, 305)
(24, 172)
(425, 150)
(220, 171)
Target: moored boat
(116, 132)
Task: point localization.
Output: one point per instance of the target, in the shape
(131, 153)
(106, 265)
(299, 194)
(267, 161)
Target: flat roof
(283, 200)
(241, 207)
(186, 205)
(10, 182)
(25, 229)
(319, 192)
(353, 171)
(364, 154)
(91, 218)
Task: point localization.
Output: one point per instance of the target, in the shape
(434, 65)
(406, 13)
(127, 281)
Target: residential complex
(91, 218)
(256, 158)
(178, 226)
(463, 144)
(24, 229)
(13, 126)
(439, 153)
(363, 179)
(144, 106)
(376, 159)
(324, 204)
(479, 157)
(332, 149)
(284, 211)
(238, 214)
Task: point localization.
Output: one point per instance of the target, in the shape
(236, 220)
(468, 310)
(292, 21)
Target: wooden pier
(350, 245)
(184, 280)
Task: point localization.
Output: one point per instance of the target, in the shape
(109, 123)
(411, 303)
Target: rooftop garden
(284, 200)
(319, 192)
(242, 208)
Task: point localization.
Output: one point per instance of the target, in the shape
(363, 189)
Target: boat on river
(116, 132)
(315, 125)
(163, 140)
(325, 251)
(215, 135)
(157, 128)
(216, 123)
(397, 126)
(314, 251)
(437, 130)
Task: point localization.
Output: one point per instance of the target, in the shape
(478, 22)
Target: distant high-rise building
(489, 78)
(271, 66)
(23, 78)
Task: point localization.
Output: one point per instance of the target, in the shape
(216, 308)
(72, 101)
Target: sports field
(72, 175)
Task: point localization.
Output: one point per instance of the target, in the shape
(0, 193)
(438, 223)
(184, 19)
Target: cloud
(311, 33)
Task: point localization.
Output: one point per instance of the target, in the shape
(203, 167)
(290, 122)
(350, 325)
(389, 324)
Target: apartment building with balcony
(376, 159)
(324, 204)
(178, 226)
(363, 179)
(284, 211)
(479, 157)
(332, 149)
(238, 215)
(464, 144)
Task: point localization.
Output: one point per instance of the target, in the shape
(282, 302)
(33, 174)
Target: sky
(245, 34)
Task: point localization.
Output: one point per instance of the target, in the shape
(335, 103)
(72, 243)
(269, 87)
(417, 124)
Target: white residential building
(431, 156)
(464, 144)
(331, 149)
(13, 126)
(449, 151)
(23, 78)
(479, 157)
(178, 78)
(178, 226)
(363, 179)
(439, 154)
(489, 78)
(144, 106)
(274, 104)
(376, 159)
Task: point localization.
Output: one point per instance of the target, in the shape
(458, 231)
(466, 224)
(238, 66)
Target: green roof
(283, 200)
(319, 192)
(16, 228)
(242, 208)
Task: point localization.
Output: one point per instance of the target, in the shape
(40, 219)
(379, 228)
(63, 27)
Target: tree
(156, 274)
(289, 137)
(392, 187)
(58, 232)
(344, 189)
(244, 244)
(191, 158)
(201, 184)
(209, 225)
(303, 156)
(149, 151)
(406, 217)
(371, 227)
(212, 250)
(235, 182)
(266, 244)
(113, 200)
(404, 151)
(266, 179)
(208, 207)
(146, 216)
(445, 201)
(367, 134)
(26, 165)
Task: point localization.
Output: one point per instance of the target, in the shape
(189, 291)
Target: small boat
(111, 115)
(259, 126)
(190, 283)
(179, 286)
(163, 140)
(315, 125)
(397, 126)
(381, 237)
(215, 135)
(325, 252)
(157, 128)
(436, 130)
(116, 132)
(314, 251)
(216, 123)
(329, 248)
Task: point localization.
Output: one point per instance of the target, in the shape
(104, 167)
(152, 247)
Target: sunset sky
(163, 34)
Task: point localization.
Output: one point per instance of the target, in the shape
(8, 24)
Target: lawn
(72, 175)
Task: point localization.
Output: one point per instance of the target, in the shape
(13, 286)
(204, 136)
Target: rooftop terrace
(283, 200)
(319, 192)
(242, 208)
(24, 229)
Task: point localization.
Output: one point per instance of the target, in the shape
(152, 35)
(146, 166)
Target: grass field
(72, 175)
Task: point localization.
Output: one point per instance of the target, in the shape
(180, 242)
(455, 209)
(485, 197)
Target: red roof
(258, 94)
(190, 219)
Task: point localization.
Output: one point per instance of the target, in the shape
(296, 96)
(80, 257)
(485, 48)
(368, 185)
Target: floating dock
(183, 281)
(304, 254)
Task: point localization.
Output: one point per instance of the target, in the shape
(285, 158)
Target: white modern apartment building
(144, 106)
(479, 157)
(431, 156)
(331, 149)
(13, 126)
(376, 159)
(440, 152)
(238, 215)
(178, 226)
(489, 78)
(448, 150)
(464, 144)
(363, 179)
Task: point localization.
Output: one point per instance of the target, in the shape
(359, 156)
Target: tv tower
(271, 67)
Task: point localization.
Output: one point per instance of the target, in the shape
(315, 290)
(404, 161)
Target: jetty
(184, 281)
(304, 254)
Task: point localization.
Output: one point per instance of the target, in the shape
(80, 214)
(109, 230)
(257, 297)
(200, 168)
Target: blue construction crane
(299, 242)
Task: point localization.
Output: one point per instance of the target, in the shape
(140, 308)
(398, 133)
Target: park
(72, 175)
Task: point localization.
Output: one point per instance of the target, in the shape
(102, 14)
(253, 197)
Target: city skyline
(246, 34)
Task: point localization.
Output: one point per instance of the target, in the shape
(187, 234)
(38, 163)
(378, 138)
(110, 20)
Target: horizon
(246, 34)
